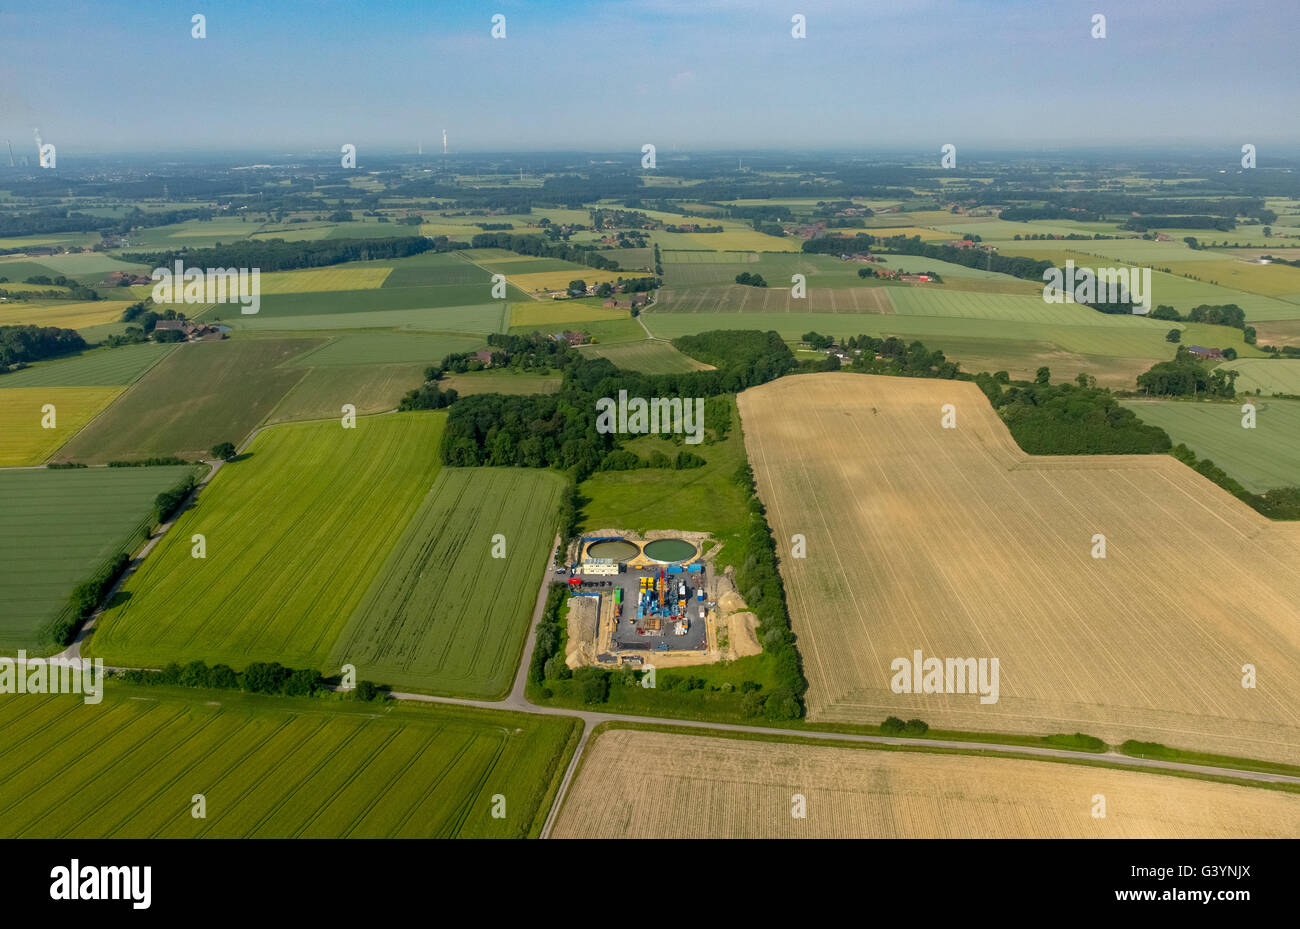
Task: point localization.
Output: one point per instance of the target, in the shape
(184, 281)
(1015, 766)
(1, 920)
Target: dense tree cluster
(1030, 269)
(839, 244)
(279, 255)
(25, 344)
(1144, 223)
(1070, 419)
(58, 219)
(559, 430)
(538, 246)
(428, 396)
(1186, 376)
(260, 677)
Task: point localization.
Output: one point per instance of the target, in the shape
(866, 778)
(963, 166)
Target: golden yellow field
(555, 312)
(707, 787)
(927, 235)
(955, 543)
(323, 279)
(449, 228)
(63, 315)
(315, 280)
(734, 238)
(540, 281)
(23, 439)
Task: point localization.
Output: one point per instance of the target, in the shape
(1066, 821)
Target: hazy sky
(281, 75)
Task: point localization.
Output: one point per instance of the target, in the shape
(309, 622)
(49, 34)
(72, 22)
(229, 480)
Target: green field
(295, 534)
(1261, 458)
(1267, 375)
(272, 767)
(1121, 336)
(201, 394)
(56, 529)
(373, 300)
(921, 301)
(323, 280)
(105, 367)
(501, 382)
(554, 315)
(603, 332)
(647, 356)
(736, 298)
(379, 347)
(443, 615)
(703, 499)
(434, 268)
(369, 388)
(523, 265)
(479, 318)
(88, 266)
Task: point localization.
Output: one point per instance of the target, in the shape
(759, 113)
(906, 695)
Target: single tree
(225, 451)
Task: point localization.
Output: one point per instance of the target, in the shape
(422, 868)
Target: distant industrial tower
(11, 152)
(419, 148)
(444, 141)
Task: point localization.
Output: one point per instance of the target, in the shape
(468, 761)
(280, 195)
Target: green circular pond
(618, 549)
(670, 550)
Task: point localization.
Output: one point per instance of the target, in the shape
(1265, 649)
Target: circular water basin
(670, 550)
(618, 549)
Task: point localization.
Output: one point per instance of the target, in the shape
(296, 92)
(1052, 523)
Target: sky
(612, 75)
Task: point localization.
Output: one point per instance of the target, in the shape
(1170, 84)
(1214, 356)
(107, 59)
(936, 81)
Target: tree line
(539, 247)
(279, 255)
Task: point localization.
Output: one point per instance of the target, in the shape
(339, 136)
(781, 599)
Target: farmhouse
(1202, 352)
(485, 356)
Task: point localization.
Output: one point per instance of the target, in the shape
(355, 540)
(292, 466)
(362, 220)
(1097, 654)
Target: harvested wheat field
(955, 543)
(636, 784)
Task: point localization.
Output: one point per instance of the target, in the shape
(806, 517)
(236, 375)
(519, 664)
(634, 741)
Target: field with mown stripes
(271, 767)
(294, 534)
(443, 615)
